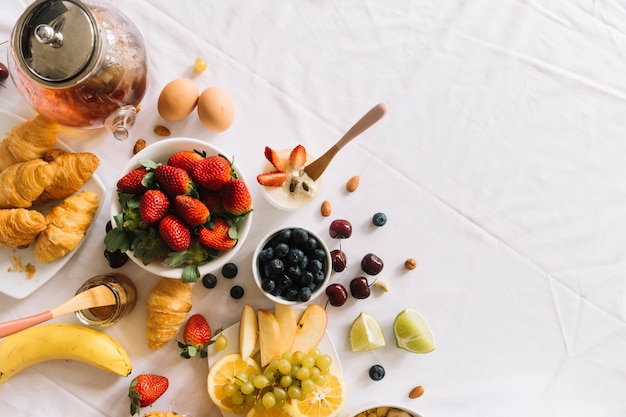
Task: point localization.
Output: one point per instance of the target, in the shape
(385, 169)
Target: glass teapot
(80, 64)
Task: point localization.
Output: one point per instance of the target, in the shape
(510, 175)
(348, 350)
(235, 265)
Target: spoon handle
(364, 123)
(14, 326)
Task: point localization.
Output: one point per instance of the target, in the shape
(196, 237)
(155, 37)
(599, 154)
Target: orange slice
(327, 400)
(223, 372)
(286, 411)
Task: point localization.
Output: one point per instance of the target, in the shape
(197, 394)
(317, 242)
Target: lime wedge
(366, 333)
(412, 332)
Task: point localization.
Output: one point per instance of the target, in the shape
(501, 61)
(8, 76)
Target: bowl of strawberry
(182, 209)
(291, 265)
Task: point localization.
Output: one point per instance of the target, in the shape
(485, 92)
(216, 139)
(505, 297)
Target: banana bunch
(61, 341)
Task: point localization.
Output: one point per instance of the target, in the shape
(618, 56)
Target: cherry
(4, 72)
(340, 229)
(371, 264)
(337, 294)
(339, 260)
(359, 288)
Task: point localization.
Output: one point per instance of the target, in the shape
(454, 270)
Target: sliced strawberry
(173, 180)
(175, 233)
(236, 197)
(153, 205)
(131, 182)
(219, 237)
(272, 179)
(196, 336)
(191, 210)
(185, 159)
(146, 389)
(297, 157)
(212, 172)
(279, 163)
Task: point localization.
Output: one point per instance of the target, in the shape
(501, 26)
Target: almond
(139, 145)
(416, 392)
(326, 209)
(410, 264)
(352, 184)
(161, 130)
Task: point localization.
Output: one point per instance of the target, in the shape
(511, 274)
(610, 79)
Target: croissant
(28, 140)
(69, 172)
(23, 182)
(66, 226)
(19, 227)
(167, 306)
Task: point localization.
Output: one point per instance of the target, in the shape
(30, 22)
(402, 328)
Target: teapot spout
(121, 121)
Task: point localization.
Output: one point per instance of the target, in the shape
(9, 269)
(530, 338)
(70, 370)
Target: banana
(61, 341)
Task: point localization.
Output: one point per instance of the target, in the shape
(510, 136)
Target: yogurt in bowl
(285, 184)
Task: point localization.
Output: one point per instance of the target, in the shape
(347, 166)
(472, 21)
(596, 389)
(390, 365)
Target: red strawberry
(173, 180)
(185, 159)
(191, 210)
(146, 389)
(153, 205)
(297, 157)
(211, 199)
(212, 172)
(236, 197)
(131, 182)
(272, 156)
(197, 336)
(219, 236)
(175, 233)
(272, 179)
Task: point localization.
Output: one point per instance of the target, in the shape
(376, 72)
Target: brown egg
(178, 99)
(215, 109)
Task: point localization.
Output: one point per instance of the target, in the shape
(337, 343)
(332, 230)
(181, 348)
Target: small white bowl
(281, 197)
(160, 152)
(326, 265)
(355, 413)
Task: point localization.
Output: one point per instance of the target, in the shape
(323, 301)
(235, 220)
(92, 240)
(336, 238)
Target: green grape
(268, 399)
(284, 366)
(280, 403)
(308, 361)
(250, 400)
(315, 372)
(286, 381)
(273, 365)
(258, 407)
(270, 375)
(230, 389)
(307, 385)
(323, 362)
(294, 369)
(221, 342)
(303, 373)
(287, 355)
(320, 380)
(260, 381)
(238, 398)
(239, 409)
(280, 393)
(315, 352)
(240, 378)
(247, 388)
(294, 392)
(199, 65)
(297, 357)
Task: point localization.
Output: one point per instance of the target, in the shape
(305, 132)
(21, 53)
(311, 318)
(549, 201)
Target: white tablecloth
(500, 166)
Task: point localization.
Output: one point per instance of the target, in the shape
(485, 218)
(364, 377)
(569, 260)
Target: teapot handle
(120, 121)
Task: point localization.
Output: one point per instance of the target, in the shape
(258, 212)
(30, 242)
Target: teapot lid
(56, 42)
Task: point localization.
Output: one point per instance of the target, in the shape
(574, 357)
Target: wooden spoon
(97, 296)
(317, 167)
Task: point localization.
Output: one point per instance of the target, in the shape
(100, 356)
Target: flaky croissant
(28, 140)
(167, 306)
(69, 172)
(23, 182)
(19, 227)
(66, 227)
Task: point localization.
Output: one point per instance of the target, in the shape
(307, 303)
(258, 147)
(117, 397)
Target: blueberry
(276, 266)
(306, 278)
(318, 277)
(290, 294)
(377, 372)
(295, 256)
(311, 244)
(299, 236)
(229, 270)
(294, 272)
(236, 292)
(379, 219)
(284, 235)
(116, 259)
(268, 285)
(266, 254)
(316, 266)
(281, 250)
(319, 253)
(209, 281)
(283, 281)
(304, 294)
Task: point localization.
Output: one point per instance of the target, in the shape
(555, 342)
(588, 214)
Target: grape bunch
(291, 377)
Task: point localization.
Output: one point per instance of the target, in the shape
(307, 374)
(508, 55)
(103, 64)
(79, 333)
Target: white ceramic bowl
(160, 152)
(326, 265)
(281, 197)
(363, 410)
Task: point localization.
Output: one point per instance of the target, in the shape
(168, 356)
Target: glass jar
(125, 298)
